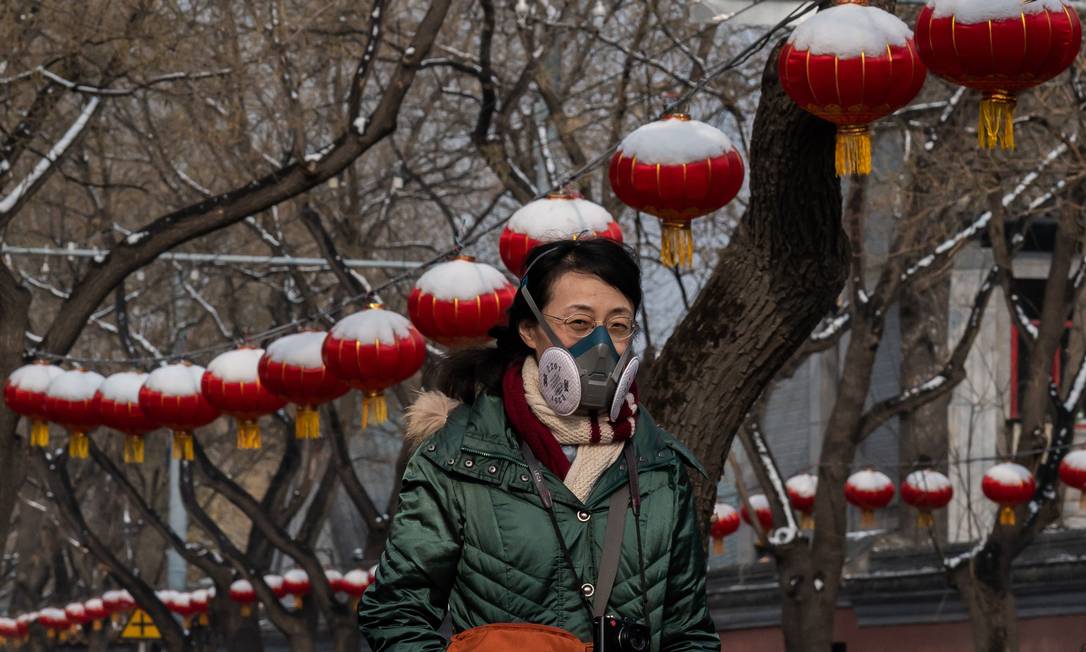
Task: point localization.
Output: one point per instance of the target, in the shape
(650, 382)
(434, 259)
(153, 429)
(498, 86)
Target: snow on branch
(952, 373)
(120, 92)
(776, 490)
(834, 327)
(21, 189)
(948, 247)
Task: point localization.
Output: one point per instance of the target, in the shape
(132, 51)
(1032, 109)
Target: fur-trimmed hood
(427, 415)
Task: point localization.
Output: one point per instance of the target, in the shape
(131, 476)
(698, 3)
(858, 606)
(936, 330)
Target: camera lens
(633, 638)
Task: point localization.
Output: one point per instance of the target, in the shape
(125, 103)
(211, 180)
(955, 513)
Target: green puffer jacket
(472, 535)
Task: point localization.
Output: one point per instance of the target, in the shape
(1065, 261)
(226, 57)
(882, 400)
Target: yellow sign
(140, 626)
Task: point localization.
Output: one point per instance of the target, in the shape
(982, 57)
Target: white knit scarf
(592, 458)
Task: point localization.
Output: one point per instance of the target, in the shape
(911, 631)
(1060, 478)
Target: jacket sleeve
(687, 625)
(406, 605)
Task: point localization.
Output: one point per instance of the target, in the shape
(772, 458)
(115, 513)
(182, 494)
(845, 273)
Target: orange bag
(523, 637)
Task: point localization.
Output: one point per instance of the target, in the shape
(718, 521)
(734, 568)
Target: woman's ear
(527, 332)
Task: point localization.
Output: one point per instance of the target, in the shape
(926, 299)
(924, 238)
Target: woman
(472, 532)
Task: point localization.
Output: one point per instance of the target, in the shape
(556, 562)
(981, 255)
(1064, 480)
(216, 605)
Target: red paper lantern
(55, 621)
(354, 583)
(558, 216)
(371, 351)
(69, 402)
(869, 490)
(241, 592)
(1000, 48)
(24, 394)
(760, 504)
(171, 397)
(926, 490)
(232, 385)
(8, 630)
(335, 579)
(296, 583)
(22, 625)
(1008, 484)
(117, 404)
(851, 65)
(724, 522)
(275, 583)
(676, 169)
(1073, 474)
(96, 612)
(201, 599)
(293, 368)
(77, 615)
(456, 303)
(801, 493)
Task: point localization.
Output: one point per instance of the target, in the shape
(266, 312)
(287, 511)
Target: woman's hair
(464, 374)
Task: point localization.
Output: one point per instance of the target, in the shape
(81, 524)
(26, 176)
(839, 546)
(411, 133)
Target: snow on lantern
(201, 600)
(676, 169)
(1000, 48)
(171, 398)
(851, 65)
(22, 625)
(801, 493)
(24, 394)
(69, 402)
(371, 351)
(55, 621)
(117, 403)
(1073, 474)
(232, 385)
(292, 368)
(296, 583)
(457, 302)
(335, 579)
(557, 216)
(354, 583)
(275, 583)
(760, 504)
(8, 630)
(242, 593)
(724, 522)
(1008, 484)
(869, 490)
(96, 612)
(926, 490)
(77, 617)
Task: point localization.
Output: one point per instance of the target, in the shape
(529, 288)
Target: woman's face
(574, 293)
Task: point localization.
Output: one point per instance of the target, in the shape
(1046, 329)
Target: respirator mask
(590, 376)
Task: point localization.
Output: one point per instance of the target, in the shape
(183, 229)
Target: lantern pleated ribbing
(723, 523)
(117, 403)
(171, 398)
(292, 367)
(24, 394)
(371, 351)
(851, 65)
(1000, 48)
(558, 216)
(926, 490)
(1008, 484)
(296, 583)
(801, 493)
(242, 593)
(676, 169)
(760, 504)
(457, 302)
(69, 402)
(232, 385)
(869, 490)
(354, 584)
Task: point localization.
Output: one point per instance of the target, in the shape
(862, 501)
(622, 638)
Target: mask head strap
(547, 330)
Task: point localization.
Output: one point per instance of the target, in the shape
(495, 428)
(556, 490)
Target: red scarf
(537, 435)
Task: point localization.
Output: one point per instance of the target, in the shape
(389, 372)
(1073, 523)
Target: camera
(614, 634)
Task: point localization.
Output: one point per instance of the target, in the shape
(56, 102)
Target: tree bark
(778, 277)
(984, 586)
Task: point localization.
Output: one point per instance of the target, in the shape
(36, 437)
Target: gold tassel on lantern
(718, 547)
(853, 155)
(1082, 500)
(133, 449)
(867, 519)
(374, 401)
(307, 424)
(925, 520)
(246, 610)
(39, 433)
(806, 521)
(182, 446)
(96, 626)
(996, 124)
(248, 434)
(1006, 515)
(676, 244)
(298, 602)
(78, 445)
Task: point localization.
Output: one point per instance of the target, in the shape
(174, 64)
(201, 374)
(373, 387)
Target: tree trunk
(780, 275)
(923, 431)
(985, 589)
(346, 637)
(14, 308)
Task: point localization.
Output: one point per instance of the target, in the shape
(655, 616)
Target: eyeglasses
(620, 328)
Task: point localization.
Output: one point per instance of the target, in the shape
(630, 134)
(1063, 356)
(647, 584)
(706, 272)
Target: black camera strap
(629, 494)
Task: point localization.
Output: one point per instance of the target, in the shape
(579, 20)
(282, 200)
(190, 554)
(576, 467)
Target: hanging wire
(739, 59)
